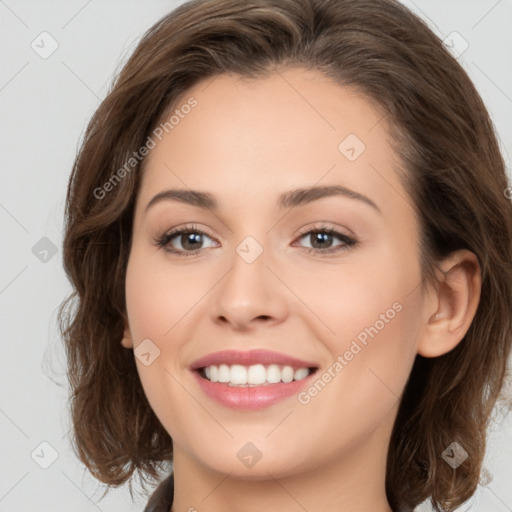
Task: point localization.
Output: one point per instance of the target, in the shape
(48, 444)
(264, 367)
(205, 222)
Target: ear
(127, 341)
(451, 307)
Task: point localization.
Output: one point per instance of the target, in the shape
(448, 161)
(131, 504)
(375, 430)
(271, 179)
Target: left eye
(190, 239)
(324, 237)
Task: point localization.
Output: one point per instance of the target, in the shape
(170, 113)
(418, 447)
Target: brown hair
(451, 167)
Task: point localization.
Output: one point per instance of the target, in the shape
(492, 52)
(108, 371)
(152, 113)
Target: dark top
(161, 499)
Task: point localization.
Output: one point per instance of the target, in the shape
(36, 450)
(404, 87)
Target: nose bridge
(249, 272)
(249, 289)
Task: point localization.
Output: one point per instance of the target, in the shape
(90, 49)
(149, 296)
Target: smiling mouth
(238, 375)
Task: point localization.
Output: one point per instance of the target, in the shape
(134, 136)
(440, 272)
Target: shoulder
(162, 497)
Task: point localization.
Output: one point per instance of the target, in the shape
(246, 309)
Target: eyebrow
(288, 199)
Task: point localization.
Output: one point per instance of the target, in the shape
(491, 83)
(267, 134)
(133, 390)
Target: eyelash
(162, 241)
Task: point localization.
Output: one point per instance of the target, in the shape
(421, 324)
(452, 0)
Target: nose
(249, 294)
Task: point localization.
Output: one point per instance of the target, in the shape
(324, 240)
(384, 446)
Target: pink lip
(255, 397)
(250, 357)
(250, 397)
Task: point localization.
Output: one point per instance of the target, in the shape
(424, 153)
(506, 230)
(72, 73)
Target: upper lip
(250, 357)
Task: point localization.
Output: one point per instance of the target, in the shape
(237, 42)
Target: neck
(352, 481)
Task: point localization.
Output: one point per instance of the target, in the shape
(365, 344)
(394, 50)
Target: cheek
(372, 311)
(160, 304)
(159, 297)
(362, 386)
(357, 294)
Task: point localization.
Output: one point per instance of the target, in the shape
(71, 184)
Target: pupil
(191, 238)
(319, 237)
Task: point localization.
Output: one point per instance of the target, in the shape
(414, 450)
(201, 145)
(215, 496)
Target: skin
(246, 142)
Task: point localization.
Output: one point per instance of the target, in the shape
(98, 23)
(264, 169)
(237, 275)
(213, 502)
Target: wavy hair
(451, 167)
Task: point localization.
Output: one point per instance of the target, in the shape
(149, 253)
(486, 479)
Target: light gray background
(44, 107)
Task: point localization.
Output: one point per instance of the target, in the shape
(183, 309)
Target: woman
(212, 329)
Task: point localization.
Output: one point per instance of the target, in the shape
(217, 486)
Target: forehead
(247, 138)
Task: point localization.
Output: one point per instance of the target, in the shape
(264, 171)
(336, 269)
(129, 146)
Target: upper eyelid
(301, 232)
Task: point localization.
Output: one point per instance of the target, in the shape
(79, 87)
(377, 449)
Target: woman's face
(346, 303)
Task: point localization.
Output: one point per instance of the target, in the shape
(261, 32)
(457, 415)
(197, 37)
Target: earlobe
(453, 305)
(127, 341)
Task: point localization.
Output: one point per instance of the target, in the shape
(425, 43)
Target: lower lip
(250, 397)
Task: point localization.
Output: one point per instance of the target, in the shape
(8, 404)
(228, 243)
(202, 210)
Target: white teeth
(287, 374)
(273, 374)
(301, 373)
(254, 375)
(238, 374)
(224, 373)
